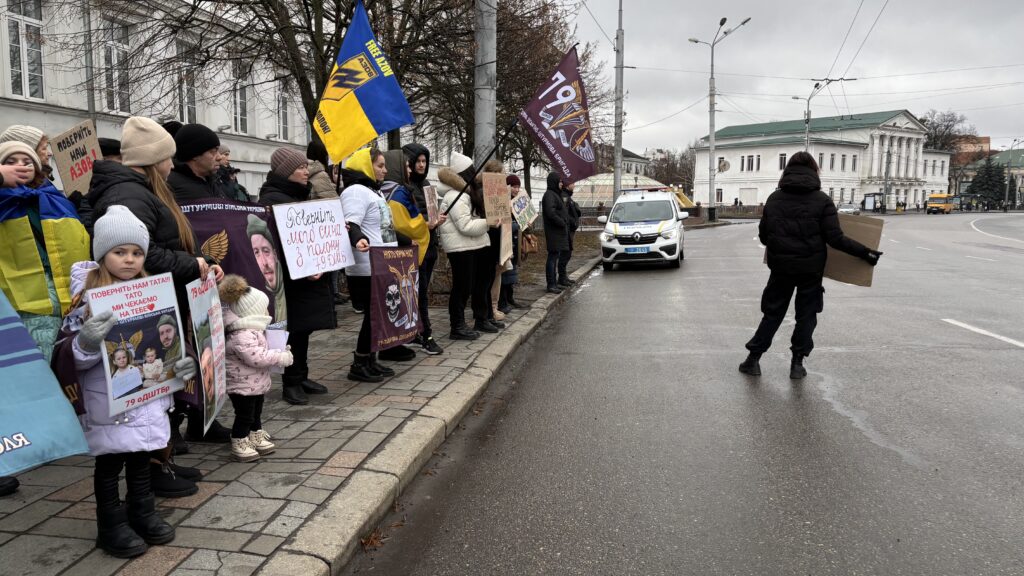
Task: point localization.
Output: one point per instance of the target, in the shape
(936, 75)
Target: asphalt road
(624, 441)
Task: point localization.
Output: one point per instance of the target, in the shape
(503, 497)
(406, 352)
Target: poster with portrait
(208, 329)
(313, 236)
(394, 304)
(430, 195)
(140, 350)
(496, 199)
(240, 237)
(523, 210)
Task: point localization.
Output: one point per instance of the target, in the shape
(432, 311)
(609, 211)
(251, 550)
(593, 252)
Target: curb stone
(326, 542)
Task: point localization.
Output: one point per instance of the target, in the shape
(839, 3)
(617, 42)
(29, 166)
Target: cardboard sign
(523, 210)
(394, 300)
(313, 237)
(208, 328)
(74, 152)
(842, 267)
(496, 201)
(505, 250)
(141, 349)
(430, 194)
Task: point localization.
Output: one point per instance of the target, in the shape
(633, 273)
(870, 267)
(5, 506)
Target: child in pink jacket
(249, 360)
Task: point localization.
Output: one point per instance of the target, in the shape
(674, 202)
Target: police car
(643, 226)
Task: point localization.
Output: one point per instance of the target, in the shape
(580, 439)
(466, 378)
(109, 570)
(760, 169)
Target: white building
(43, 79)
(855, 154)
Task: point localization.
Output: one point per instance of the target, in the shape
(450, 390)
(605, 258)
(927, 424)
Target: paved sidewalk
(341, 462)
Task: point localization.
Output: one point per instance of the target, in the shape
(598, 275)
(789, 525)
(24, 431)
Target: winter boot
(313, 387)
(796, 368)
(186, 472)
(114, 535)
(144, 520)
(8, 485)
(242, 450)
(378, 368)
(166, 484)
(751, 365)
(292, 391)
(360, 370)
(260, 440)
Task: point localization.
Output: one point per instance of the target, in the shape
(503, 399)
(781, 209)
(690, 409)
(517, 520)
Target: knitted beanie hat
(7, 149)
(172, 126)
(284, 161)
(513, 180)
(460, 162)
(194, 140)
(28, 134)
(110, 147)
(243, 300)
(118, 226)
(145, 143)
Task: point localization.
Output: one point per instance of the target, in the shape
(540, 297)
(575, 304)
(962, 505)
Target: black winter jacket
(556, 216)
(113, 184)
(310, 302)
(188, 187)
(417, 183)
(798, 221)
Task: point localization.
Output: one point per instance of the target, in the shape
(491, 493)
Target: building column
(872, 155)
(920, 156)
(901, 165)
(883, 142)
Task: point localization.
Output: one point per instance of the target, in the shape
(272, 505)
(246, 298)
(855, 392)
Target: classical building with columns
(857, 153)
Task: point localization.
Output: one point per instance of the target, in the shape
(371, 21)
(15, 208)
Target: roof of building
(1006, 157)
(633, 155)
(782, 140)
(825, 123)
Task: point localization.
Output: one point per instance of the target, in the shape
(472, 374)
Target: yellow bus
(940, 204)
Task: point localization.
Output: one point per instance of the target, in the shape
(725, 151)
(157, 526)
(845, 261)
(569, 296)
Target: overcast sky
(791, 41)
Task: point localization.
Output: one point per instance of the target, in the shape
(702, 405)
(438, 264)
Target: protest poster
(141, 349)
(208, 329)
(505, 250)
(430, 194)
(523, 210)
(394, 300)
(74, 152)
(496, 199)
(842, 267)
(239, 236)
(37, 423)
(313, 236)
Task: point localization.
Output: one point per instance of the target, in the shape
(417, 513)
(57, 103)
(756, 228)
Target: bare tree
(945, 130)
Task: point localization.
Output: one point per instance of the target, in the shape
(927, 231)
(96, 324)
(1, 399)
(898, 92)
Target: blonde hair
(164, 193)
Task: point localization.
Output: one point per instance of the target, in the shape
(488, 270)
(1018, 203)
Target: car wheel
(682, 255)
(675, 262)
(608, 266)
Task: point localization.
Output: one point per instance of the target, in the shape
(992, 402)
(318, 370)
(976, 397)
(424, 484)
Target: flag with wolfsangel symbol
(362, 99)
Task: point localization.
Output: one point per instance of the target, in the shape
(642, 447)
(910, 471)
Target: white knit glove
(185, 368)
(94, 330)
(285, 359)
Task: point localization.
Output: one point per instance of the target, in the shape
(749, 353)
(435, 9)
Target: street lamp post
(818, 87)
(711, 111)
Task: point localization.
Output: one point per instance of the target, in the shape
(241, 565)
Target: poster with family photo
(208, 328)
(140, 351)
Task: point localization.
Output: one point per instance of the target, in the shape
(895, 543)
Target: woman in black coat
(556, 228)
(310, 302)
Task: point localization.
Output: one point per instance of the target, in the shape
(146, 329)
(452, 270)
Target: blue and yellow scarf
(40, 234)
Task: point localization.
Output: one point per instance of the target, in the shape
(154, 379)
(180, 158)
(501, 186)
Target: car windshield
(642, 211)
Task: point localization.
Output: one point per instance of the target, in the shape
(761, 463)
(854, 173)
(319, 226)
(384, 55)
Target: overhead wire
(841, 46)
(594, 18)
(866, 36)
(672, 115)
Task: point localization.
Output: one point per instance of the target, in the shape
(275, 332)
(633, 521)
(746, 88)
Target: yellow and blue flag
(362, 99)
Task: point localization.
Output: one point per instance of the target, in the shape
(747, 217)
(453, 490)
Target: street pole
(818, 87)
(619, 56)
(485, 79)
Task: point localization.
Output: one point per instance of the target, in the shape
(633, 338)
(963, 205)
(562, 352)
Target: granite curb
(329, 538)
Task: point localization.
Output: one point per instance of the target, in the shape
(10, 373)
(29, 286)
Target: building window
(718, 195)
(782, 161)
(186, 84)
(239, 97)
(116, 93)
(832, 162)
(853, 163)
(283, 126)
(750, 163)
(933, 167)
(25, 47)
(742, 162)
(821, 160)
(832, 194)
(942, 168)
(842, 163)
(853, 195)
(842, 194)
(758, 162)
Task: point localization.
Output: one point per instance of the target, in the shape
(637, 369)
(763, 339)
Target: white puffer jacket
(463, 231)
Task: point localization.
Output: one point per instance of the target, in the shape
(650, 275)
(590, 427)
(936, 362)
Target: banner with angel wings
(237, 235)
(142, 348)
(394, 296)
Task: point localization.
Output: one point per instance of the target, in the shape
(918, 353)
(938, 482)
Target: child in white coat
(248, 360)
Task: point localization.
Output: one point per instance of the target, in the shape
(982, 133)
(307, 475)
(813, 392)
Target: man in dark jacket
(195, 166)
(572, 210)
(798, 221)
(419, 164)
(556, 229)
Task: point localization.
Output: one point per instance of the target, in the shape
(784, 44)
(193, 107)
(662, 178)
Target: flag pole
(486, 158)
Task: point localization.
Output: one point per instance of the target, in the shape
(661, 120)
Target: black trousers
(462, 286)
(485, 263)
(248, 414)
(108, 469)
(359, 290)
(299, 370)
(563, 261)
(426, 272)
(774, 304)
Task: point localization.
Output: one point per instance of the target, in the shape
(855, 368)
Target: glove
(94, 330)
(185, 368)
(872, 257)
(285, 359)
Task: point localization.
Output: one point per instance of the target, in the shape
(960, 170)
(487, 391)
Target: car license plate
(638, 250)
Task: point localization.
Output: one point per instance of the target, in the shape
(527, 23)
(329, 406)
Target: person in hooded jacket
(798, 221)
(556, 229)
(323, 187)
(419, 164)
(572, 210)
(309, 300)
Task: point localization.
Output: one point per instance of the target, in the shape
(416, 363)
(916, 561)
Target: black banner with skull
(394, 297)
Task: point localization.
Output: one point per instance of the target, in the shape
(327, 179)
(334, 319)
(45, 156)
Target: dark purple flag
(394, 297)
(558, 118)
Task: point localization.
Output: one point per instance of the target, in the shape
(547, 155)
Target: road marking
(896, 241)
(984, 332)
(923, 248)
(978, 230)
(980, 258)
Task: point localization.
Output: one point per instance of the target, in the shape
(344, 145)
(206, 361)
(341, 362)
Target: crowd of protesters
(130, 225)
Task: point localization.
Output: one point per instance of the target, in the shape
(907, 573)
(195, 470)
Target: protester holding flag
(309, 300)
(419, 163)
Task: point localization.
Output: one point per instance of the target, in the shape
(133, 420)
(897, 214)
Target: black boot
(114, 535)
(142, 517)
(177, 442)
(8, 485)
(462, 332)
(217, 434)
(379, 368)
(796, 368)
(293, 394)
(398, 354)
(311, 387)
(360, 370)
(486, 326)
(186, 472)
(165, 483)
(751, 365)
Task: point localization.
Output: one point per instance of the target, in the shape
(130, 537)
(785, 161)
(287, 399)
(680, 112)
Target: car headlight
(669, 234)
(607, 236)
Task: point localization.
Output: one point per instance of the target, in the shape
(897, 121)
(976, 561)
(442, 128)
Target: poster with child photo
(208, 324)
